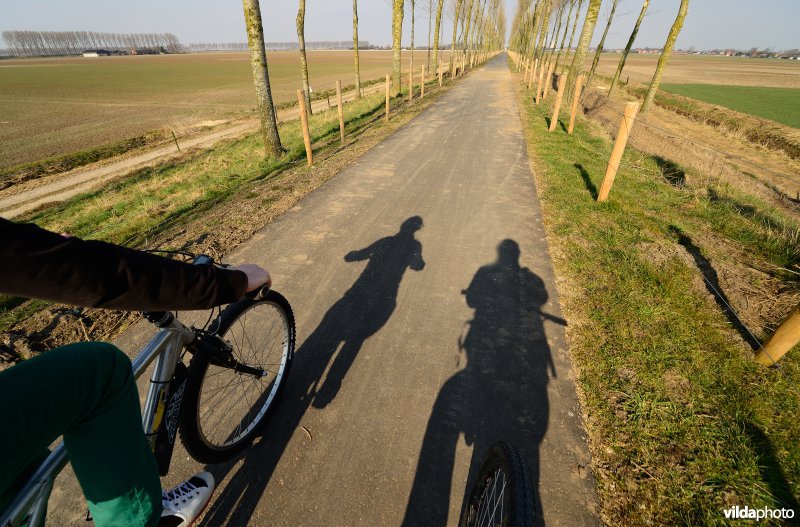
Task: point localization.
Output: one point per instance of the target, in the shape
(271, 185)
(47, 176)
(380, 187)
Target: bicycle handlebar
(204, 259)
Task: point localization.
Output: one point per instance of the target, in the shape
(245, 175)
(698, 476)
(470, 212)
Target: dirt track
(24, 197)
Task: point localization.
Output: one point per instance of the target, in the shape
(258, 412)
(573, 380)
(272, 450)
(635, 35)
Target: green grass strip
(682, 422)
(776, 104)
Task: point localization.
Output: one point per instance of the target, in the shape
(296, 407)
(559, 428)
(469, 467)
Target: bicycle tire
(208, 383)
(502, 495)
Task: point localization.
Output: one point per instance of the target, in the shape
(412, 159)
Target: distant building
(96, 53)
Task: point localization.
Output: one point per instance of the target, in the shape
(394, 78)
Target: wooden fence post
(539, 84)
(549, 80)
(341, 109)
(575, 101)
(784, 339)
(422, 83)
(301, 99)
(625, 126)
(388, 84)
(410, 86)
(562, 81)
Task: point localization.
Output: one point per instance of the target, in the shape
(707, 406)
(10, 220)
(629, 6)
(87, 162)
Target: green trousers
(86, 393)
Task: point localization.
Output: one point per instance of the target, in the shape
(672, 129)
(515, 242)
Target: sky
(740, 24)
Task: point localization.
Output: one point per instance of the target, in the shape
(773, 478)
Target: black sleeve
(36, 263)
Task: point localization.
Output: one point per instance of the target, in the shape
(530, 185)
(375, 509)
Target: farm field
(777, 104)
(701, 69)
(51, 107)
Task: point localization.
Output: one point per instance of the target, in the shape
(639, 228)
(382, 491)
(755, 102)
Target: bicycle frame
(30, 505)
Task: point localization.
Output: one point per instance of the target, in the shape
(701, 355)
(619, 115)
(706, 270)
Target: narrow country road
(428, 328)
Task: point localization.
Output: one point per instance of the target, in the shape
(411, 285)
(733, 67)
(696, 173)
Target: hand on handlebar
(256, 276)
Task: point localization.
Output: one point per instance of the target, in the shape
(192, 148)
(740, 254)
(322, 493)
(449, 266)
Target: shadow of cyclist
(501, 394)
(360, 313)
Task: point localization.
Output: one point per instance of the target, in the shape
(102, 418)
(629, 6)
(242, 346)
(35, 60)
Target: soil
(703, 69)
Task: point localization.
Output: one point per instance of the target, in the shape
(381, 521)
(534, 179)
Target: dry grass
(718, 154)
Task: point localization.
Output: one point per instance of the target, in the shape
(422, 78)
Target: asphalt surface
(428, 328)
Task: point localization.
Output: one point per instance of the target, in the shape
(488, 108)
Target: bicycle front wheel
(224, 408)
(502, 495)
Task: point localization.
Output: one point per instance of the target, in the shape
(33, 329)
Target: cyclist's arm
(37, 263)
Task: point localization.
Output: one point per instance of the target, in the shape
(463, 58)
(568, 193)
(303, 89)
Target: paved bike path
(428, 328)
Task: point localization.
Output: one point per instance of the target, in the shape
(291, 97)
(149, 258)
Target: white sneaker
(186, 502)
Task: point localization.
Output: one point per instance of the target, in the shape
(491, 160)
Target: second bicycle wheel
(502, 495)
(224, 409)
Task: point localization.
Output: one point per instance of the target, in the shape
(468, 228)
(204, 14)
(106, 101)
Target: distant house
(96, 53)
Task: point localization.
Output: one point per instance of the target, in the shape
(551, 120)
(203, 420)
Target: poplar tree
(301, 39)
(583, 45)
(258, 61)
(355, 48)
(664, 58)
(602, 43)
(397, 37)
(627, 49)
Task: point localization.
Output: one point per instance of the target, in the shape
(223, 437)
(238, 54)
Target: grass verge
(682, 423)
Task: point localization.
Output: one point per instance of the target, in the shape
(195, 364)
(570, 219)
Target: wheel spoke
(233, 405)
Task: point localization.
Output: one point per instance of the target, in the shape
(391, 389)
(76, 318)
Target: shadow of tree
(713, 286)
(770, 468)
(674, 174)
(587, 180)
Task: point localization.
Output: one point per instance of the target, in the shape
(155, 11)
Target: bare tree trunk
(301, 39)
(572, 36)
(664, 58)
(355, 48)
(455, 34)
(430, 24)
(465, 36)
(397, 36)
(583, 45)
(554, 36)
(413, 10)
(601, 44)
(436, 33)
(564, 37)
(544, 24)
(258, 61)
(627, 49)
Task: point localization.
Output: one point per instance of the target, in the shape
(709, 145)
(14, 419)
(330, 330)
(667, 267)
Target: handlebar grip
(257, 294)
